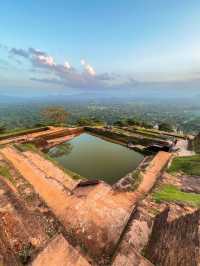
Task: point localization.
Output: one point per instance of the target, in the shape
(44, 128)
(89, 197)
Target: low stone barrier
(135, 139)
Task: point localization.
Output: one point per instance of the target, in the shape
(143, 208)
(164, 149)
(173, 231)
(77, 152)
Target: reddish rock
(60, 253)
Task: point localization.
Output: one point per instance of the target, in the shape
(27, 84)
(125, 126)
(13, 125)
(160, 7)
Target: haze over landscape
(105, 54)
(100, 133)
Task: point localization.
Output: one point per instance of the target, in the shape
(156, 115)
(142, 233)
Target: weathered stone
(60, 252)
(175, 242)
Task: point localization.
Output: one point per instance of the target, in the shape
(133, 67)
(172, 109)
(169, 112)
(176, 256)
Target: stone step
(60, 252)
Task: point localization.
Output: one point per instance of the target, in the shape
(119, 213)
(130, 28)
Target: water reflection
(60, 150)
(95, 158)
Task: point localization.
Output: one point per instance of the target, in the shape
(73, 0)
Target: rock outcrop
(175, 242)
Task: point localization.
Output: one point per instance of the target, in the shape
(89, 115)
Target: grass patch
(171, 193)
(189, 165)
(149, 134)
(159, 132)
(154, 211)
(5, 172)
(137, 179)
(26, 147)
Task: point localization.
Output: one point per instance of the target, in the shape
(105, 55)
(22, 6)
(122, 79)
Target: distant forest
(184, 116)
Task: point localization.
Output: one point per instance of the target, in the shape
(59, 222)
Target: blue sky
(98, 44)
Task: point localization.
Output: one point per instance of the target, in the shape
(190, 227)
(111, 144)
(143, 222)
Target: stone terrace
(94, 219)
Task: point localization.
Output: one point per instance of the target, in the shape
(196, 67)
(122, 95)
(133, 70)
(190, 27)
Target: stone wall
(61, 133)
(176, 242)
(23, 132)
(135, 139)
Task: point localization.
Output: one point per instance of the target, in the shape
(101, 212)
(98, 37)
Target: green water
(95, 158)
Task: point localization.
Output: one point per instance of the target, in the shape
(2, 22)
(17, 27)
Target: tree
(165, 127)
(86, 121)
(146, 125)
(55, 115)
(133, 122)
(120, 123)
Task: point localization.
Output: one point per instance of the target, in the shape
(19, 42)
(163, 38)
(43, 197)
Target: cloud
(3, 64)
(46, 80)
(36, 52)
(64, 74)
(67, 65)
(43, 61)
(88, 68)
(19, 52)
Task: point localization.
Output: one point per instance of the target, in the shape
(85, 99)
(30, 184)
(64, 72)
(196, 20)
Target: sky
(97, 45)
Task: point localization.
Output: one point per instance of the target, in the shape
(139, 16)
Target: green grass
(189, 165)
(5, 172)
(26, 147)
(171, 193)
(137, 179)
(146, 132)
(159, 132)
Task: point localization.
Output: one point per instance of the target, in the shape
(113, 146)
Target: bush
(120, 123)
(165, 127)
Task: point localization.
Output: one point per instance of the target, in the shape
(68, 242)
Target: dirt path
(153, 171)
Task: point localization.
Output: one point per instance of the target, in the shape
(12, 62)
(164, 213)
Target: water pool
(96, 158)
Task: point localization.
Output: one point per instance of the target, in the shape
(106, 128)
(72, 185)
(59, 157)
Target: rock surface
(60, 253)
(95, 219)
(175, 242)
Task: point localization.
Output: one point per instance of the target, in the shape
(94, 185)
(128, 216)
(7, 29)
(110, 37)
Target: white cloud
(82, 62)
(88, 68)
(46, 60)
(67, 65)
(64, 74)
